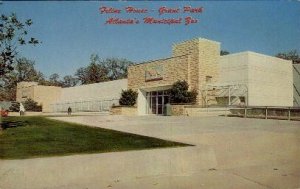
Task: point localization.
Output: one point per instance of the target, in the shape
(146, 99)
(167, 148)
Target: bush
(31, 105)
(180, 94)
(128, 98)
(15, 107)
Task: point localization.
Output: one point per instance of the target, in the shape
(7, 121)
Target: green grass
(39, 136)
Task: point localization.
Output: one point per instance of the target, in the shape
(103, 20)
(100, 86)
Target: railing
(85, 106)
(266, 112)
(296, 70)
(296, 89)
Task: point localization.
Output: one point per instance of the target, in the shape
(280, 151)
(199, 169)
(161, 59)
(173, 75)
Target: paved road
(228, 153)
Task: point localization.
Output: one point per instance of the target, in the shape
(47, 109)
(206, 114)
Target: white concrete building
(92, 97)
(268, 80)
(245, 78)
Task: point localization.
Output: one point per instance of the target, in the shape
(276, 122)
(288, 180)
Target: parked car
(4, 113)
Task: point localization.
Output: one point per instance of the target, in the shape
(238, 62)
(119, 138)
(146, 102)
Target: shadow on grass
(12, 124)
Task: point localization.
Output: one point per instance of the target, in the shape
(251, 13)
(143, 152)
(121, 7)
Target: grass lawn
(39, 136)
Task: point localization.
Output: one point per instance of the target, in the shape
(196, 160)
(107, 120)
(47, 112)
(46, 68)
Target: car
(4, 113)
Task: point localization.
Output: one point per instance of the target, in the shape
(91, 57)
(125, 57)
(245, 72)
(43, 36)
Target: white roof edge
(253, 53)
(117, 80)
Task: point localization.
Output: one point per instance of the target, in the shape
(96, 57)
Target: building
(245, 78)
(91, 97)
(266, 80)
(44, 95)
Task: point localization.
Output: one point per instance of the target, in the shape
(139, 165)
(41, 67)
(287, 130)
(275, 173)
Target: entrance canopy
(159, 88)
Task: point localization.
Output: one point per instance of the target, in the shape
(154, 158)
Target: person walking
(69, 111)
(22, 109)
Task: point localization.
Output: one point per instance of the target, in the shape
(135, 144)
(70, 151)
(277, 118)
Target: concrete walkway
(228, 153)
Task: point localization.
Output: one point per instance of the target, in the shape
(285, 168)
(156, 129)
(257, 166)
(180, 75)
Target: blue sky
(71, 31)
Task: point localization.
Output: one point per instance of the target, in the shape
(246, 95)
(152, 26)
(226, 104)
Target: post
(229, 96)
(245, 115)
(266, 112)
(289, 114)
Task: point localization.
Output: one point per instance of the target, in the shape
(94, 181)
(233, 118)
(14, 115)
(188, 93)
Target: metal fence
(85, 106)
(266, 112)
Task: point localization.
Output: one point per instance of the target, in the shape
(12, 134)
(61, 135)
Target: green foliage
(15, 107)
(31, 105)
(117, 68)
(69, 81)
(179, 93)
(93, 73)
(128, 98)
(291, 55)
(102, 70)
(12, 35)
(24, 70)
(224, 52)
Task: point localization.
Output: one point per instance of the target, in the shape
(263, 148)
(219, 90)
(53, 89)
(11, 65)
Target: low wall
(196, 110)
(122, 110)
(205, 112)
(26, 113)
(178, 110)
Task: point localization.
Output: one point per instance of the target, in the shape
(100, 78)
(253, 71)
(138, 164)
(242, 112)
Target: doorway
(156, 101)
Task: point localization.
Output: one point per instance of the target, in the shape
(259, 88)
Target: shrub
(15, 107)
(180, 94)
(128, 98)
(31, 105)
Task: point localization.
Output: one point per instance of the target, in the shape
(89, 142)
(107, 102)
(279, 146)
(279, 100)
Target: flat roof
(150, 61)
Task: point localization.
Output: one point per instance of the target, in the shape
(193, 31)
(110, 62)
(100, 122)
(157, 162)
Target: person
(69, 111)
(22, 109)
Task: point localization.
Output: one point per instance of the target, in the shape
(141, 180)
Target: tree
(69, 81)
(103, 70)
(31, 105)
(15, 107)
(13, 33)
(54, 80)
(179, 93)
(128, 97)
(224, 52)
(291, 55)
(23, 71)
(117, 68)
(95, 72)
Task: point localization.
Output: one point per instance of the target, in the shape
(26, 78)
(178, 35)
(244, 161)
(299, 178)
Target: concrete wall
(269, 79)
(47, 96)
(96, 91)
(43, 95)
(25, 90)
(128, 111)
(234, 69)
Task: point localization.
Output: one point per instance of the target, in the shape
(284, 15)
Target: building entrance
(156, 101)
